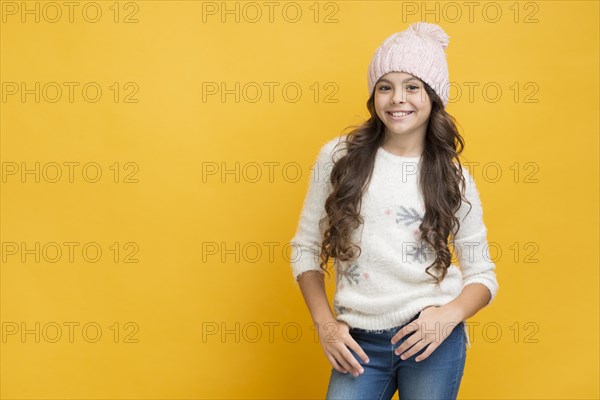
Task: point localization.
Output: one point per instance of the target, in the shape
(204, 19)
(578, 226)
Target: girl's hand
(334, 337)
(432, 327)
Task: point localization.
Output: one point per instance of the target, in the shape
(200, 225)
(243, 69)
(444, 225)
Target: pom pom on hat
(432, 31)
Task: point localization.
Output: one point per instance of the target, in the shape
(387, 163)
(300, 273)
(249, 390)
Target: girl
(385, 202)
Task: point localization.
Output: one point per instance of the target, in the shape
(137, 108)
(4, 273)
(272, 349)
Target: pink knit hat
(419, 51)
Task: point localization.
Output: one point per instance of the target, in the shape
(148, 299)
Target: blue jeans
(437, 377)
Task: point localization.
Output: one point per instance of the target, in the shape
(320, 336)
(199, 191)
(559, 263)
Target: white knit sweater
(386, 286)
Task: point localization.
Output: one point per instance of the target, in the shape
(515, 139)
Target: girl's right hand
(335, 339)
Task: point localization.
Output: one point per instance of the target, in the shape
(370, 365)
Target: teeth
(401, 114)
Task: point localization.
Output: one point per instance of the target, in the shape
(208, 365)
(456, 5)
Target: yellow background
(546, 311)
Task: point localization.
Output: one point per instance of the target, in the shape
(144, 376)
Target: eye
(413, 87)
(384, 87)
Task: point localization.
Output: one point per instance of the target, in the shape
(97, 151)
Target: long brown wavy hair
(441, 182)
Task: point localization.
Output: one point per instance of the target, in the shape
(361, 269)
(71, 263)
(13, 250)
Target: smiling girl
(385, 202)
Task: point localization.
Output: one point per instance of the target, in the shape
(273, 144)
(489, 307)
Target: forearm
(312, 285)
(473, 298)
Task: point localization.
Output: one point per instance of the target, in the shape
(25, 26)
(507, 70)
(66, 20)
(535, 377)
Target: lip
(388, 113)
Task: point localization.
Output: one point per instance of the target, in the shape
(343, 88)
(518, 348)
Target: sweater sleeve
(471, 244)
(306, 243)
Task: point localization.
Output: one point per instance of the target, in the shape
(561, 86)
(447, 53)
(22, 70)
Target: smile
(399, 115)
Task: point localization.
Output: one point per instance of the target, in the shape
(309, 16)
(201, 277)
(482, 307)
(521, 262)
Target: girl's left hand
(432, 327)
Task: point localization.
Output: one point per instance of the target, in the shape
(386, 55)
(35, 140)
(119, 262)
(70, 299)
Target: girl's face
(405, 94)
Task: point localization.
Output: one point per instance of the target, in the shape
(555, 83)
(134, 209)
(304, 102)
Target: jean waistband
(376, 330)
(389, 330)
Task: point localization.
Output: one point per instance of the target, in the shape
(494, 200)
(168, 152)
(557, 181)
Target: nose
(398, 97)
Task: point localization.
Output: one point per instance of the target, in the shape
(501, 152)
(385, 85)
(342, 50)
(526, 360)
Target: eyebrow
(414, 78)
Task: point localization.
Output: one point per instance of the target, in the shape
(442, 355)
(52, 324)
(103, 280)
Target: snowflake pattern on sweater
(409, 216)
(349, 275)
(339, 309)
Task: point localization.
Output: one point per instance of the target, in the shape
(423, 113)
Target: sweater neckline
(395, 157)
